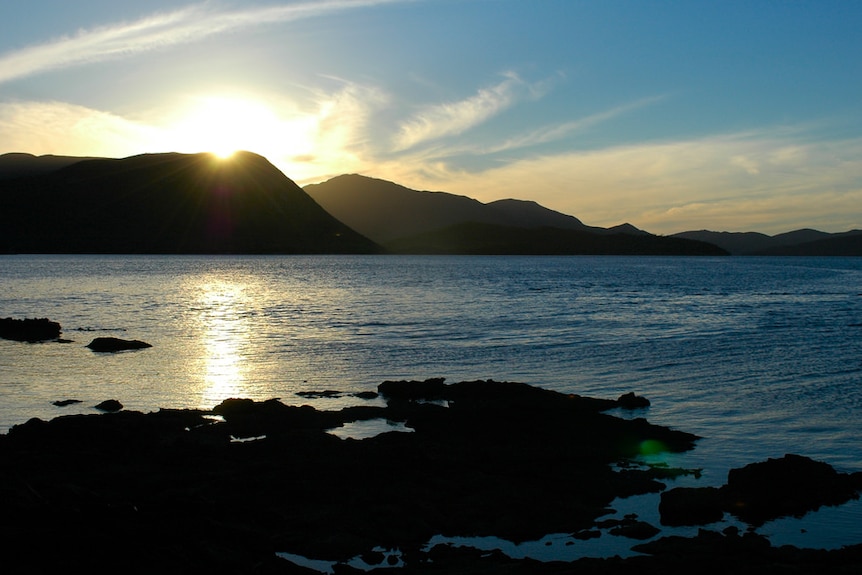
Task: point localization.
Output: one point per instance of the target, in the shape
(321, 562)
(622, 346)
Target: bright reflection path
(225, 332)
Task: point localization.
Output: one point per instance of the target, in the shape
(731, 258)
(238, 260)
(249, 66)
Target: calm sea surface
(759, 356)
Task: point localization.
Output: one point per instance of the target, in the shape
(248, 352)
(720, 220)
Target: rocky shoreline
(224, 491)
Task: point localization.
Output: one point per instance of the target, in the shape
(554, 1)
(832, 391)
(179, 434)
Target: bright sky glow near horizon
(723, 115)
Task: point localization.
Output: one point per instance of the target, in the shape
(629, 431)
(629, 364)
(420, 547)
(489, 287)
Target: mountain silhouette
(491, 239)
(197, 203)
(803, 242)
(385, 211)
(844, 244)
(17, 164)
(411, 221)
(167, 203)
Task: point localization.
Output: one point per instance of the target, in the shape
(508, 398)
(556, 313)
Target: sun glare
(225, 333)
(225, 125)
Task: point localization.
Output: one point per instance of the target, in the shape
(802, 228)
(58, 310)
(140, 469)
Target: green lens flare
(653, 447)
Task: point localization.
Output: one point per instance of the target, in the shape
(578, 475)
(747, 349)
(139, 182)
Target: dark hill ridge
(385, 211)
(415, 222)
(168, 203)
(846, 244)
(804, 242)
(489, 239)
(17, 164)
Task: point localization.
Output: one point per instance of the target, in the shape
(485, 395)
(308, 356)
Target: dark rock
(247, 418)
(691, 506)
(29, 330)
(759, 492)
(113, 344)
(367, 395)
(109, 405)
(329, 393)
(632, 401)
(65, 402)
(173, 489)
(430, 389)
(790, 486)
(373, 557)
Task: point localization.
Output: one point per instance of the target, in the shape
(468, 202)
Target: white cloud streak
(454, 118)
(159, 31)
(558, 132)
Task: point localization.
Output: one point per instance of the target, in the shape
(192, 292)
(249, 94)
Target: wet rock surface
(109, 405)
(792, 485)
(29, 330)
(221, 491)
(114, 344)
(66, 402)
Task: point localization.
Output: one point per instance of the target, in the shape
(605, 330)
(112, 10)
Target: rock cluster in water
(31, 330)
(789, 486)
(43, 329)
(179, 491)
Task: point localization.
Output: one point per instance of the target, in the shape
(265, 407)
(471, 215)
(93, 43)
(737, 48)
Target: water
(759, 356)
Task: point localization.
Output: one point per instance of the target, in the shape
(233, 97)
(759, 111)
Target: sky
(670, 115)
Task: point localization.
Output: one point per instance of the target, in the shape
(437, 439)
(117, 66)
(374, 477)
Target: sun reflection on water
(225, 332)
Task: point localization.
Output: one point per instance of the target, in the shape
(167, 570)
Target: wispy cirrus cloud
(453, 118)
(159, 31)
(557, 132)
(544, 135)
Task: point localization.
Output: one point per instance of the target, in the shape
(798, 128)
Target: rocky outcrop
(490, 458)
(113, 344)
(790, 486)
(224, 490)
(30, 330)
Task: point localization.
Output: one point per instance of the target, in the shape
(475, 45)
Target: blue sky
(670, 115)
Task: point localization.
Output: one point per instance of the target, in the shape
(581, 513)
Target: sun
(224, 125)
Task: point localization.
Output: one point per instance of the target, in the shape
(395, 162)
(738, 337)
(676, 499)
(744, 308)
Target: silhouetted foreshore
(179, 491)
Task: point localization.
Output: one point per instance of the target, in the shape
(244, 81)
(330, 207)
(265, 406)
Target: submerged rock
(65, 402)
(112, 344)
(30, 330)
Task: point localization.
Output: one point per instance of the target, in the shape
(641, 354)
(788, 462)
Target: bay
(759, 356)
